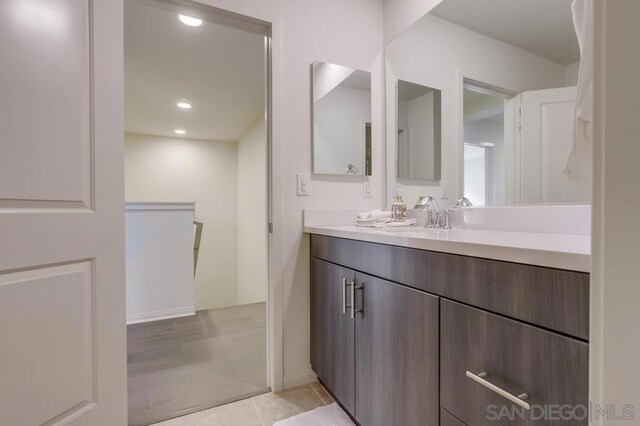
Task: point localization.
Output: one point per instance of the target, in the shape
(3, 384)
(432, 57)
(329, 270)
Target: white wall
(571, 74)
(458, 53)
(346, 33)
(401, 14)
(339, 129)
(615, 293)
(252, 215)
(179, 169)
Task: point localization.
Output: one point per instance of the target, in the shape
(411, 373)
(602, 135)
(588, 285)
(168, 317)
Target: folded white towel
(374, 214)
(403, 224)
(371, 222)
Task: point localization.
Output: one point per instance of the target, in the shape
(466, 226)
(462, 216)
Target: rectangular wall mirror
(506, 73)
(418, 138)
(341, 108)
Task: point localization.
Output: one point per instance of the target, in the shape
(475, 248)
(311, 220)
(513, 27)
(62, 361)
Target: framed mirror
(507, 72)
(341, 114)
(418, 135)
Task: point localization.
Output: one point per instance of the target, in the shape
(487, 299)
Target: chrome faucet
(464, 202)
(430, 206)
(424, 202)
(436, 218)
(352, 170)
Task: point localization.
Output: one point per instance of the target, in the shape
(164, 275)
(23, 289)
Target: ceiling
(360, 80)
(542, 27)
(479, 106)
(220, 70)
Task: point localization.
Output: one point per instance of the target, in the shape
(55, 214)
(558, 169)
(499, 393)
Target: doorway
(485, 145)
(196, 173)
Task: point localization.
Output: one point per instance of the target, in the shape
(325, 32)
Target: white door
(546, 126)
(62, 293)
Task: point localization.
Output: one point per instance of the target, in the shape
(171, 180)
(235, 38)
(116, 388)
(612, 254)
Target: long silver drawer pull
(353, 299)
(344, 295)
(520, 399)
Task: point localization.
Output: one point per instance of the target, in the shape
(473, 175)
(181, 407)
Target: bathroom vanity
(407, 331)
(486, 323)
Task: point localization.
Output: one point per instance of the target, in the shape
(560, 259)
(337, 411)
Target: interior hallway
(179, 366)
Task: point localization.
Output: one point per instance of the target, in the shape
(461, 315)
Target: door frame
(272, 33)
(485, 84)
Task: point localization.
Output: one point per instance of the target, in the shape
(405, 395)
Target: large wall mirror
(341, 120)
(506, 72)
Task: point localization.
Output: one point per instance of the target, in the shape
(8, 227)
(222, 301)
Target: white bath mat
(329, 415)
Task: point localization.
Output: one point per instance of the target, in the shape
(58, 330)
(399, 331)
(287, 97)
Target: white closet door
(547, 123)
(62, 303)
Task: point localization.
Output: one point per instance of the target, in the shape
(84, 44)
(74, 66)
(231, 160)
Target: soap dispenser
(398, 209)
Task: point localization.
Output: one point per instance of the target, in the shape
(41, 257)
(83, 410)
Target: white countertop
(562, 251)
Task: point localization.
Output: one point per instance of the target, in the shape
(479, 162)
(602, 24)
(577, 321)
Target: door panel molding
(48, 356)
(48, 160)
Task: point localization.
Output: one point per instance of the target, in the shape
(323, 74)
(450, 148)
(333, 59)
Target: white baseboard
(160, 315)
(299, 379)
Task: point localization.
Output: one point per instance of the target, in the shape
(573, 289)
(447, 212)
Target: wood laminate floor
(179, 366)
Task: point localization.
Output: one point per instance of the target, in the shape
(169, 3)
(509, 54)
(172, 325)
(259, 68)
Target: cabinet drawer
(446, 419)
(550, 369)
(552, 298)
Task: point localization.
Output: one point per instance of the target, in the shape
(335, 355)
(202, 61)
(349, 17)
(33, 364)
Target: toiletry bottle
(398, 209)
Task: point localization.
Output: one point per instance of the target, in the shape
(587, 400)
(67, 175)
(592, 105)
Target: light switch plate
(366, 189)
(303, 182)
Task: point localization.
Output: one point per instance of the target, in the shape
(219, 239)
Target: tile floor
(179, 366)
(261, 410)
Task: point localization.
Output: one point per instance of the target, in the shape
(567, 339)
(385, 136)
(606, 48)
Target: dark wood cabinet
(552, 370)
(422, 320)
(551, 298)
(333, 331)
(397, 353)
(448, 419)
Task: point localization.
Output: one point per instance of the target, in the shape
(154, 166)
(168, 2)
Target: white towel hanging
(579, 164)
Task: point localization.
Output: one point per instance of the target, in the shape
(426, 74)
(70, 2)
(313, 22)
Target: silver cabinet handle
(520, 399)
(344, 295)
(353, 299)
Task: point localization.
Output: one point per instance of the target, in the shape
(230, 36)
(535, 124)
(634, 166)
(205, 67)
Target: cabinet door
(332, 330)
(396, 354)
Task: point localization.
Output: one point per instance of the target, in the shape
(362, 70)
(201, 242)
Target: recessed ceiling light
(180, 131)
(184, 103)
(190, 20)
